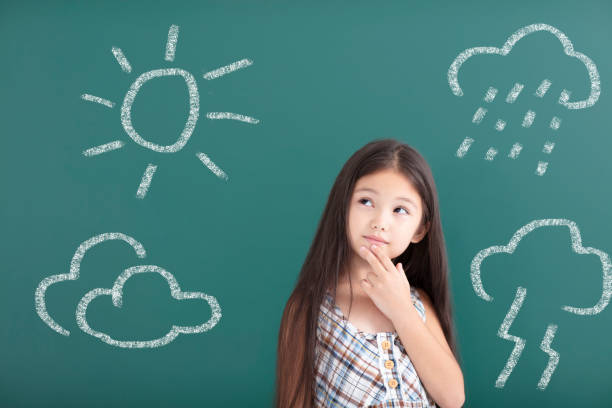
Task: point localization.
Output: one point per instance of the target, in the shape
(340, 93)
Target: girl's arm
(430, 354)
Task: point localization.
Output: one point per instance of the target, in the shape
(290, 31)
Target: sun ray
(123, 62)
(171, 44)
(243, 63)
(212, 166)
(230, 115)
(94, 151)
(146, 181)
(97, 99)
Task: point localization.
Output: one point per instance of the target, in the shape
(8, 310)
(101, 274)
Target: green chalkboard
(173, 159)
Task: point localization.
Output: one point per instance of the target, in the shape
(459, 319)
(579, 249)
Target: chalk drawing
(541, 169)
(75, 267)
(553, 356)
(194, 107)
(478, 115)
(123, 62)
(147, 177)
(171, 43)
(514, 92)
(548, 146)
(519, 343)
(230, 115)
(521, 293)
(228, 68)
(543, 88)
(528, 119)
(490, 95)
(212, 166)
(568, 48)
(555, 123)
(491, 153)
(515, 151)
(500, 125)
(116, 294)
(97, 99)
(465, 146)
(107, 147)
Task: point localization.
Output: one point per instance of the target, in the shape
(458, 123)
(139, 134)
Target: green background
(327, 77)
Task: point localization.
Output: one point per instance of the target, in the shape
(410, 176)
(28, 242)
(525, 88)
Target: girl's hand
(387, 285)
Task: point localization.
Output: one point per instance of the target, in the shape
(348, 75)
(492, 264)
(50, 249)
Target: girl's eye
(400, 208)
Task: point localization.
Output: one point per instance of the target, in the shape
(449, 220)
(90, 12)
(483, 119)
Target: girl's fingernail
(362, 248)
(374, 246)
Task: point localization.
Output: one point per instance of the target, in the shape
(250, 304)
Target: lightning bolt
(553, 358)
(519, 342)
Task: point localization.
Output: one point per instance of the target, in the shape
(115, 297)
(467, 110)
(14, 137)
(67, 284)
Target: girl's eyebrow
(375, 192)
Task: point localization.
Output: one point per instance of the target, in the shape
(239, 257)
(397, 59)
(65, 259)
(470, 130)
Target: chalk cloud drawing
(194, 109)
(116, 293)
(528, 119)
(521, 293)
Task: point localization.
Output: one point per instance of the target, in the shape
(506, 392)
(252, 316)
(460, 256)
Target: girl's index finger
(383, 258)
(372, 259)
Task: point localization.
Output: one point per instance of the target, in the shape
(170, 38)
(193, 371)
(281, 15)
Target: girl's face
(385, 205)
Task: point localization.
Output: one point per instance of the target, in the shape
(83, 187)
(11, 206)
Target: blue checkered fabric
(350, 364)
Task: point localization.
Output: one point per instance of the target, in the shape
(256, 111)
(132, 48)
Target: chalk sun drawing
(521, 293)
(513, 94)
(194, 110)
(116, 293)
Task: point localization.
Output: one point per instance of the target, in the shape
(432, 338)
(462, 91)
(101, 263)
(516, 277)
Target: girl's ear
(420, 233)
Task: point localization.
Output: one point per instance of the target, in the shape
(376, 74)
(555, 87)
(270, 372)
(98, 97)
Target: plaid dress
(357, 369)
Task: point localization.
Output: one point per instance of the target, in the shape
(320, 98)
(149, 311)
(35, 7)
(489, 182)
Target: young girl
(379, 252)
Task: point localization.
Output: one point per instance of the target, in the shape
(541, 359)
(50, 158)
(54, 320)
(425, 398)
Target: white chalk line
(465, 146)
(171, 43)
(97, 99)
(514, 93)
(491, 153)
(117, 297)
(541, 169)
(243, 63)
(194, 108)
(490, 95)
(553, 356)
(478, 115)
(75, 267)
(528, 119)
(555, 122)
(233, 116)
(94, 151)
(123, 62)
(543, 88)
(145, 182)
(568, 48)
(211, 165)
(548, 147)
(515, 151)
(500, 125)
(519, 343)
(576, 247)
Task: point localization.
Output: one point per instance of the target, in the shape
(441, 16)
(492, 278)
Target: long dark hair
(425, 264)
